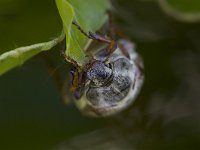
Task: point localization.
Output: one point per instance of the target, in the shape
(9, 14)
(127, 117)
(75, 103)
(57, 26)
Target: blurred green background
(164, 116)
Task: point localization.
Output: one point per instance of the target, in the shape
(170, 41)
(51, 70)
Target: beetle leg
(111, 25)
(113, 33)
(90, 35)
(81, 30)
(74, 80)
(67, 58)
(112, 43)
(98, 37)
(77, 83)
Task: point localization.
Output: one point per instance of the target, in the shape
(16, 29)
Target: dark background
(164, 116)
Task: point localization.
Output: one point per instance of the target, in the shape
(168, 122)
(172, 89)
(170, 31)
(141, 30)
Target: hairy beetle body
(112, 87)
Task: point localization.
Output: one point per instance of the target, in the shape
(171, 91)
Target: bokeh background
(166, 115)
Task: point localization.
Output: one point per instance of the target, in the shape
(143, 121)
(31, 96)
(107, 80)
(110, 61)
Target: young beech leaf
(18, 56)
(89, 14)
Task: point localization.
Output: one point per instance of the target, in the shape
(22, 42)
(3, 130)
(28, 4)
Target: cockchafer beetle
(110, 81)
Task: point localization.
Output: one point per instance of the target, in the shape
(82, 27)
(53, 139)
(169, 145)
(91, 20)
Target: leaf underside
(89, 14)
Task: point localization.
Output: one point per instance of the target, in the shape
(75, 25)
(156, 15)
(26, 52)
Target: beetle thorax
(99, 73)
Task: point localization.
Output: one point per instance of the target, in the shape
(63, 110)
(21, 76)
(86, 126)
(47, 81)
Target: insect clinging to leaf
(112, 78)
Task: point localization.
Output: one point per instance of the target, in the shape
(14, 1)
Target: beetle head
(99, 73)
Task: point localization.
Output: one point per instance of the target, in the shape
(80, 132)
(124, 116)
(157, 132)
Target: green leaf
(89, 14)
(184, 10)
(13, 58)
